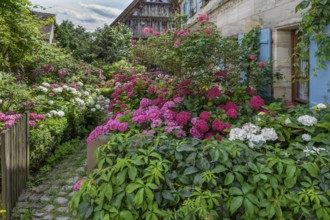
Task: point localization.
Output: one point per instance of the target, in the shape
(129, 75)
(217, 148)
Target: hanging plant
(313, 26)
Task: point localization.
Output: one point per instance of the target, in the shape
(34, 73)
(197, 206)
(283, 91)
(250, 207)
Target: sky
(90, 14)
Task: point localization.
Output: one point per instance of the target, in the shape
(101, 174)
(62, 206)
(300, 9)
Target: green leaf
(167, 195)
(139, 197)
(219, 169)
(132, 172)
(235, 203)
(126, 215)
(290, 170)
(235, 191)
(229, 179)
(190, 170)
(311, 168)
(186, 147)
(132, 187)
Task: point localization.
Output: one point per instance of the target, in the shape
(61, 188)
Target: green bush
(45, 138)
(145, 177)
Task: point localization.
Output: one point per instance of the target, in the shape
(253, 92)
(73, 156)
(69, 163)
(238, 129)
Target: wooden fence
(14, 156)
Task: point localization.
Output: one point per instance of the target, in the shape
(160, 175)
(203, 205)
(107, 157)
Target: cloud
(105, 11)
(83, 17)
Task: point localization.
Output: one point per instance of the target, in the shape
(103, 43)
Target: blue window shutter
(319, 79)
(242, 74)
(188, 8)
(182, 8)
(265, 55)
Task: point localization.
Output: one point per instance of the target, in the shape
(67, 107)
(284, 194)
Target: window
(189, 7)
(300, 78)
(202, 3)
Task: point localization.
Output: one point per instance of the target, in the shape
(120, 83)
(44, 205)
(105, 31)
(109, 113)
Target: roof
(43, 14)
(131, 6)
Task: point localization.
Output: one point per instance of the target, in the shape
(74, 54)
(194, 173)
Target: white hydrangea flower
(51, 102)
(79, 84)
(93, 109)
(80, 101)
(269, 134)
(86, 93)
(313, 150)
(98, 90)
(97, 106)
(60, 113)
(250, 129)
(43, 89)
(53, 112)
(321, 106)
(306, 137)
(1, 101)
(101, 97)
(256, 139)
(307, 120)
(48, 115)
(58, 90)
(92, 102)
(287, 121)
(107, 101)
(65, 87)
(237, 134)
(45, 84)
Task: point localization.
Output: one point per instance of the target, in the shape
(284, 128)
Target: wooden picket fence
(14, 156)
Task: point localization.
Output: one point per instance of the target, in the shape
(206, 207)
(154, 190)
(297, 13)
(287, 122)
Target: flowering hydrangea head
(156, 123)
(122, 127)
(153, 114)
(181, 133)
(307, 120)
(237, 134)
(213, 92)
(202, 126)
(196, 133)
(145, 102)
(183, 118)
(77, 185)
(232, 113)
(256, 102)
(169, 104)
(178, 100)
(209, 135)
(205, 115)
(169, 114)
(306, 137)
(269, 134)
(218, 125)
(32, 123)
(321, 106)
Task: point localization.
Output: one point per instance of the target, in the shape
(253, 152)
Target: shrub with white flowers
(307, 120)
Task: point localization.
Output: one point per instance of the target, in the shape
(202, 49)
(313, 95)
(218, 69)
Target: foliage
(316, 16)
(12, 94)
(76, 39)
(122, 67)
(163, 178)
(111, 44)
(20, 37)
(45, 138)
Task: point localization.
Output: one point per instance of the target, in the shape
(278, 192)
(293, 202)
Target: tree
(20, 37)
(75, 39)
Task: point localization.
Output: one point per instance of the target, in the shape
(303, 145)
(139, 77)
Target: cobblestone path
(50, 199)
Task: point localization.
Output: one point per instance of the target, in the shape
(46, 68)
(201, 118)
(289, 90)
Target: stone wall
(234, 17)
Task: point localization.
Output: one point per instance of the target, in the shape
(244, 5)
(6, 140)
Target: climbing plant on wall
(316, 16)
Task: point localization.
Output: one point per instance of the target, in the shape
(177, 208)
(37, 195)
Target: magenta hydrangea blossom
(205, 115)
(232, 113)
(196, 133)
(145, 102)
(213, 92)
(202, 126)
(182, 118)
(256, 102)
(122, 127)
(218, 125)
(178, 100)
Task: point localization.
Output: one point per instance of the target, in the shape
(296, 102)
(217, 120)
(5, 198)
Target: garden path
(50, 199)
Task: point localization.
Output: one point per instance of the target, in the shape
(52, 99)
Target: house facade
(147, 13)
(278, 38)
(48, 29)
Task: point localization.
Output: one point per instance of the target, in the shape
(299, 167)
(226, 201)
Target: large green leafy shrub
(146, 177)
(45, 138)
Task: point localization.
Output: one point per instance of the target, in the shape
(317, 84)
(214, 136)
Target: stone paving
(50, 199)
